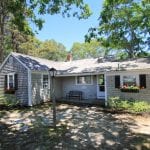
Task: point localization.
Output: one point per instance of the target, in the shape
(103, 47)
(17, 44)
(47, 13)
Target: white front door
(101, 86)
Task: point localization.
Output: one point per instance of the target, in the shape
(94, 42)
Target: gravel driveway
(87, 128)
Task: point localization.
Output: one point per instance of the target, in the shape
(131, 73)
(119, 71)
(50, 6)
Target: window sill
(130, 90)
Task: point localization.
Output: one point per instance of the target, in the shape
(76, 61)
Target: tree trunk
(3, 14)
(2, 20)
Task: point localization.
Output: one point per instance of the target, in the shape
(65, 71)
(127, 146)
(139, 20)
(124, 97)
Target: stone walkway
(84, 128)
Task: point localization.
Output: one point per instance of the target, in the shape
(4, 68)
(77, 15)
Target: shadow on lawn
(78, 128)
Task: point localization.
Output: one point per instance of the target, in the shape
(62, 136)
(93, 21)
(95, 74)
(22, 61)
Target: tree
(20, 12)
(124, 25)
(49, 49)
(88, 50)
(31, 46)
(52, 50)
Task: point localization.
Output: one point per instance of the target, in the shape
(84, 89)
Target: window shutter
(16, 81)
(5, 82)
(142, 78)
(117, 81)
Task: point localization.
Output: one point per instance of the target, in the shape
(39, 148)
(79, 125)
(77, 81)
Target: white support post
(29, 89)
(106, 98)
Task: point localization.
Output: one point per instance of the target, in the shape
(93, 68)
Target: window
(129, 80)
(84, 80)
(45, 81)
(10, 80)
(11, 83)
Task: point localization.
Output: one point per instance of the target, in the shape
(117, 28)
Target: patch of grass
(129, 105)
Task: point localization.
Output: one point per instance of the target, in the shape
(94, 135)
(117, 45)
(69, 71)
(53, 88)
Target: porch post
(106, 102)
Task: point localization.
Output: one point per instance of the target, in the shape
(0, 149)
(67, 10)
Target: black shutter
(16, 81)
(117, 81)
(5, 82)
(142, 78)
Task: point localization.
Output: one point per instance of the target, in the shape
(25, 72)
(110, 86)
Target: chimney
(69, 57)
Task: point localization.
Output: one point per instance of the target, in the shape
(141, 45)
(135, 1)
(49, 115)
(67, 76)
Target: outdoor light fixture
(52, 72)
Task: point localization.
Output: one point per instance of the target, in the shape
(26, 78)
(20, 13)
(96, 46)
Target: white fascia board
(20, 62)
(79, 74)
(5, 61)
(137, 71)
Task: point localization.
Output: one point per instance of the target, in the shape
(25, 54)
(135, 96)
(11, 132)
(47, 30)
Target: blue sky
(69, 30)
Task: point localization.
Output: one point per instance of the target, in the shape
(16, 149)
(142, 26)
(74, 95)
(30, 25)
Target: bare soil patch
(78, 128)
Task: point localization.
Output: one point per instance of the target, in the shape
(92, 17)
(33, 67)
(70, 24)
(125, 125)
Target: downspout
(29, 88)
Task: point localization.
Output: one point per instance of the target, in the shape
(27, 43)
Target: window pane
(101, 79)
(45, 81)
(11, 82)
(84, 80)
(129, 80)
(88, 79)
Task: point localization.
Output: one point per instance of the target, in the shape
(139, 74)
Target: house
(28, 78)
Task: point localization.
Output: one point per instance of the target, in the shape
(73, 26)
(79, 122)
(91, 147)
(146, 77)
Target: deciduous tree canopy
(124, 25)
(21, 12)
(88, 50)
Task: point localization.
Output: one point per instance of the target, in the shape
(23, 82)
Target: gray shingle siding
(144, 94)
(38, 94)
(89, 91)
(12, 65)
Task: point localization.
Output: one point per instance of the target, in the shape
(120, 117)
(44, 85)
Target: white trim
(78, 74)
(10, 74)
(97, 87)
(48, 80)
(20, 62)
(5, 61)
(140, 71)
(106, 97)
(29, 89)
(83, 83)
(129, 74)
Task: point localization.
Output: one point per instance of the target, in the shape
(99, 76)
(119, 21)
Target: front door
(101, 86)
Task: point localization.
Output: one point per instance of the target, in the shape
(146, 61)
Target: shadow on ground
(78, 128)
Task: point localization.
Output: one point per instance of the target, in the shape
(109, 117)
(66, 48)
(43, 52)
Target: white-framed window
(84, 80)
(11, 81)
(129, 80)
(45, 81)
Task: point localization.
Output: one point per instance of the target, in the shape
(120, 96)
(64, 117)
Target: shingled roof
(82, 66)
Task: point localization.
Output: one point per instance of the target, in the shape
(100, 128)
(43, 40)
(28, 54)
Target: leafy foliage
(20, 13)
(8, 100)
(49, 49)
(124, 25)
(129, 105)
(88, 50)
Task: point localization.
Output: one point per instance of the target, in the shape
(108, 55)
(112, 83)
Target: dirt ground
(78, 128)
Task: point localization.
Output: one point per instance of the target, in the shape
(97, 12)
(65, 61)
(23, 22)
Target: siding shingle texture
(144, 94)
(12, 65)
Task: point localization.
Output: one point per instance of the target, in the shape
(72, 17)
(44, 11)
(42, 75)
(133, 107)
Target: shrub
(129, 105)
(8, 100)
(114, 102)
(140, 106)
